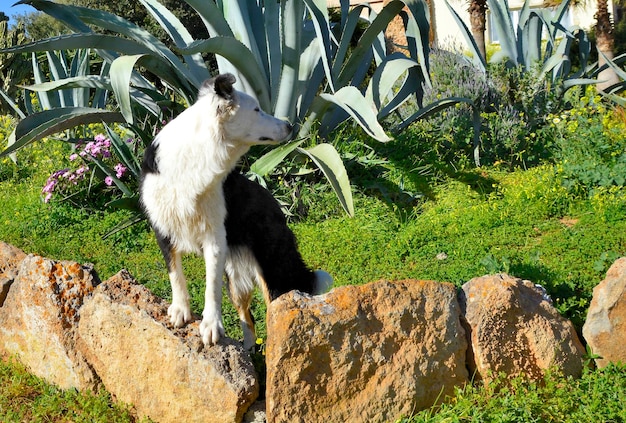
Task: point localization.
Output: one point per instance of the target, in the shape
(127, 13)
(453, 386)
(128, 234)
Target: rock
(363, 353)
(605, 326)
(514, 329)
(165, 373)
(256, 413)
(10, 259)
(39, 316)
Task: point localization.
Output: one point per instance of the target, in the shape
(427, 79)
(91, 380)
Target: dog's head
(239, 114)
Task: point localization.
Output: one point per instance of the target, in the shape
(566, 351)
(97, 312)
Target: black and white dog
(196, 203)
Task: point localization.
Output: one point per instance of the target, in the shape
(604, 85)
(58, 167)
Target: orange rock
(10, 259)
(38, 320)
(514, 329)
(165, 373)
(605, 326)
(363, 353)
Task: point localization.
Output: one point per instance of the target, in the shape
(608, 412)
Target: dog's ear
(222, 85)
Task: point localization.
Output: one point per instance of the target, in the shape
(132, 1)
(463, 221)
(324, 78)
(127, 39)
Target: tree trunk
(478, 17)
(604, 43)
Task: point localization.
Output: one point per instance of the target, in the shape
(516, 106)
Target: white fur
(184, 199)
(244, 273)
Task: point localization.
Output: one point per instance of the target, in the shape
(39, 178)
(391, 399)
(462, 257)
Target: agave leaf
(504, 27)
(80, 66)
(58, 70)
(212, 17)
(578, 81)
(111, 174)
(431, 109)
(12, 104)
(367, 39)
(127, 158)
(477, 59)
(268, 162)
(352, 101)
(81, 41)
(321, 22)
(87, 81)
(273, 59)
(135, 218)
(121, 70)
(46, 101)
(179, 34)
(239, 55)
(412, 85)
(326, 157)
(531, 45)
(385, 77)
(48, 122)
(310, 78)
(292, 12)
(351, 23)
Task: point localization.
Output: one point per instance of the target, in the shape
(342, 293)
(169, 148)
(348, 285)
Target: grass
(411, 221)
(26, 398)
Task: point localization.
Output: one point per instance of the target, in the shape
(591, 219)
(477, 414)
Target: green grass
(596, 397)
(26, 398)
(487, 220)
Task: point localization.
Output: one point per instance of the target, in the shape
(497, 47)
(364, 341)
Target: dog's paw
(211, 330)
(179, 314)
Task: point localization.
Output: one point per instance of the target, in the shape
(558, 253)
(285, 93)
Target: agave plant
(287, 54)
(538, 38)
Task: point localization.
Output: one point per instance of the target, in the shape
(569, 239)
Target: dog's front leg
(212, 328)
(179, 311)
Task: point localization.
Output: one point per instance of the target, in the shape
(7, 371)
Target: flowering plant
(92, 168)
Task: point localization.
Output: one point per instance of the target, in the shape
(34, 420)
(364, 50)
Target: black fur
(165, 244)
(222, 85)
(149, 163)
(255, 220)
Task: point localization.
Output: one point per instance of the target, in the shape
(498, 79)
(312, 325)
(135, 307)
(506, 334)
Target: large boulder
(165, 373)
(10, 260)
(514, 329)
(605, 326)
(39, 316)
(370, 353)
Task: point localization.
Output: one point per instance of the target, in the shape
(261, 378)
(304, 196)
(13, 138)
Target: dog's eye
(256, 109)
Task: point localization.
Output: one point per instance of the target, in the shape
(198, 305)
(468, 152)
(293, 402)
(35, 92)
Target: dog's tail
(323, 282)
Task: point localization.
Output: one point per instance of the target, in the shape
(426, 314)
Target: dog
(196, 203)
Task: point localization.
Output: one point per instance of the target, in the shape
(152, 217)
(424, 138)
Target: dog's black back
(256, 221)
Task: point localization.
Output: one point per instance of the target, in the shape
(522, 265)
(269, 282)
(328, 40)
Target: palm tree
(478, 23)
(605, 40)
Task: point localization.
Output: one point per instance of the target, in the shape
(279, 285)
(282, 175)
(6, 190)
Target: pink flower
(73, 157)
(108, 180)
(120, 169)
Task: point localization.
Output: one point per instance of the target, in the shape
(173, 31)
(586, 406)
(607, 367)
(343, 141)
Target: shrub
(590, 144)
(84, 181)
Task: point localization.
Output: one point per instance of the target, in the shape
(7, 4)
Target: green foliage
(513, 104)
(13, 66)
(287, 54)
(594, 397)
(539, 60)
(24, 397)
(590, 144)
(527, 223)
